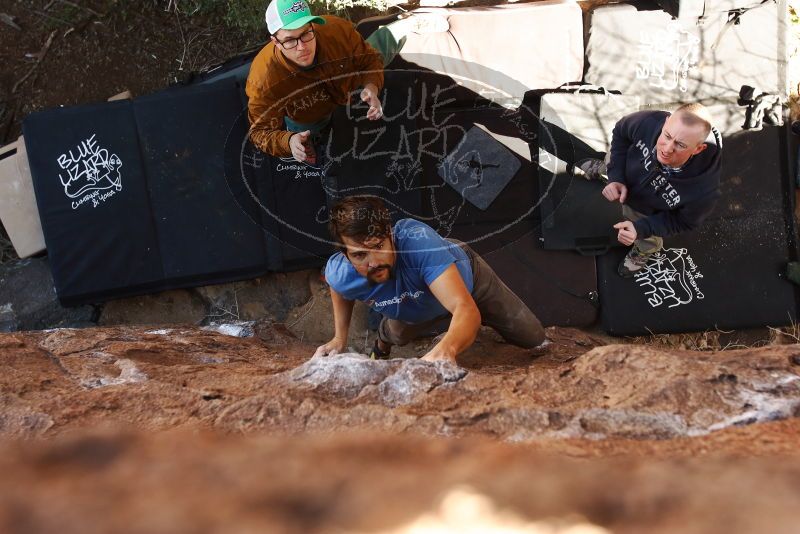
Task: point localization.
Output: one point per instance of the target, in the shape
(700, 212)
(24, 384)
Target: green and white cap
(289, 15)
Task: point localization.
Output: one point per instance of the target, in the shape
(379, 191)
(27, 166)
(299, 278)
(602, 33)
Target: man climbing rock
(417, 281)
(311, 65)
(664, 168)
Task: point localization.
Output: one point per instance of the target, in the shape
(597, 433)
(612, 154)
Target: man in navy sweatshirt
(664, 169)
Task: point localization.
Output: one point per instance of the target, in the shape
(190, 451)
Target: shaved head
(695, 114)
(683, 135)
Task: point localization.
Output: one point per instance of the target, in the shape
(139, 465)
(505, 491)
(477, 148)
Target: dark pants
(500, 308)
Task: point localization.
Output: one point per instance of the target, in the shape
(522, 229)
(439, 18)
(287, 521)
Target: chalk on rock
(399, 381)
(24, 423)
(129, 374)
(160, 332)
(236, 329)
(415, 377)
(343, 375)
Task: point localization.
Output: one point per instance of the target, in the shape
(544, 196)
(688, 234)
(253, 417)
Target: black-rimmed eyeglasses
(306, 36)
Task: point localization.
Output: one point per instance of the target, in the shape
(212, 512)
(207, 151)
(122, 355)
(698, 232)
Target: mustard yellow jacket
(277, 88)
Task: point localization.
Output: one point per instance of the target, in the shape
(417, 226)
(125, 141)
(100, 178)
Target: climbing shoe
(633, 263)
(590, 169)
(378, 354)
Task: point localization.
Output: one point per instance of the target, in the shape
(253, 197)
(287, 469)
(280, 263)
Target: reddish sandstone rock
(358, 445)
(162, 378)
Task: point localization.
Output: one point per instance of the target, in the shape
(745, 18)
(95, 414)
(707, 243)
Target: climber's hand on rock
(331, 348)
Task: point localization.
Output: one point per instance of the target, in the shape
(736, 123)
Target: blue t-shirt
(422, 255)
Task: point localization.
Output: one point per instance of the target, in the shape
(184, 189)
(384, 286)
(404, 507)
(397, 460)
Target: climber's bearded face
(373, 257)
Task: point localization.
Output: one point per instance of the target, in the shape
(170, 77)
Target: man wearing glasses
(311, 65)
(417, 281)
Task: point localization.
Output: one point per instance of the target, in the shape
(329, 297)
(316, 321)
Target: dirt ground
(66, 55)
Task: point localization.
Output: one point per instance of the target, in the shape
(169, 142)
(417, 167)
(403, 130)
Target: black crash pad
(287, 199)
(403, 157)
(574, 126)
(297, 208)
(560, 287)
(203, 234)
(169, 220)
(378, 158)
(576, 216)
(444, 133)
(89, 179)
(729, 273)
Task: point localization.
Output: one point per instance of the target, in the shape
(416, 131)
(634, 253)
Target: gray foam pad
(479, 168)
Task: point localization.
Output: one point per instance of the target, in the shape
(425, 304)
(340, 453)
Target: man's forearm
(463, 328)
(273, 142)
(370, 64)
(342, 313)
(668, 223)
(617, 161)
(266, 127)
(618, 151)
